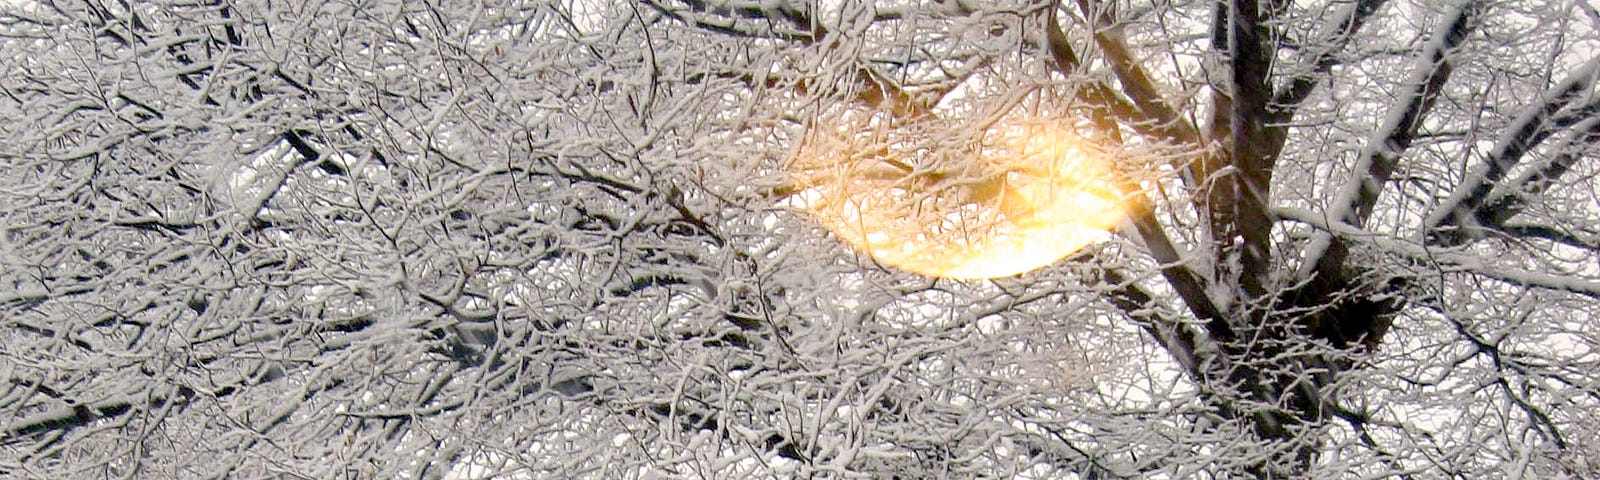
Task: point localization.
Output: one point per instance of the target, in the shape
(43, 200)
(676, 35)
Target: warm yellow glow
(1009, 200)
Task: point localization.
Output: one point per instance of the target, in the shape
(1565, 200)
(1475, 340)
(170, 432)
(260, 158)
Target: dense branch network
(433, 240)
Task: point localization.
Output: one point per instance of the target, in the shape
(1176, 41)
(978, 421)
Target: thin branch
(1334, 36)
(1189, 286)
(1510, 199)
(805, 28)
(1529, 130)
(1176, 338)
(1585, 240)
(876, 90)
(1376, 161)
(1136, 82)
(1096, 94)
(1451, 260)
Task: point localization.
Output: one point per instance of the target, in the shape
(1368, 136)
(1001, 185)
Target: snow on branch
(1099, 95)
(1136, 82)
(1335, 35)
(1509, 199)
(1189, 286)
(725, 16)
(1450, 260)
(1177, 339)
(1376, 161)
(1529, 129)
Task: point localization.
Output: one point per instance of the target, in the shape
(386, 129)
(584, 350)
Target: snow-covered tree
(565, 239)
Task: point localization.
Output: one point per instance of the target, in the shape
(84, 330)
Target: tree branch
(1097, 94)
(1334, 36)
(1135, 81)
(1174, 268)
(805, 28)
(1509, 200)
(1189, 286)
(1249, 63)
(1466, 206)
(1450, 260)
(1586, 240)
(1176, 338)
(1376, 161)
(876, 89)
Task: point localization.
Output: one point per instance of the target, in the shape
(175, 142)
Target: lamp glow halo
(1003, 201)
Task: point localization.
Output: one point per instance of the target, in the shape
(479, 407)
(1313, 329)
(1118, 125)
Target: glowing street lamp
(1011, 200)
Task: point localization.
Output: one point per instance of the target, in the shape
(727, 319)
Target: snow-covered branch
(1446, 259)
(1378, 157)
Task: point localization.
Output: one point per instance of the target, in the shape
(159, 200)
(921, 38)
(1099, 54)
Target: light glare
(1013, 200)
